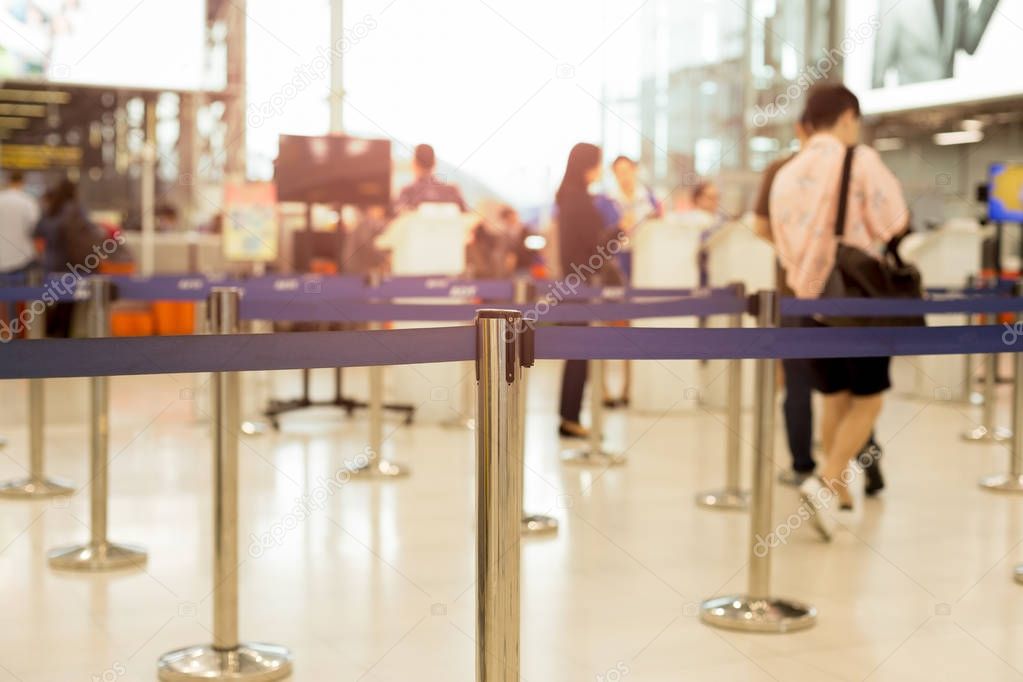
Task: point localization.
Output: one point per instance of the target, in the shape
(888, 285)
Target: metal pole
(1012, 482)
(498, 495)
(732, 497)
(756, 611)
(375, 465)
(532, 524)
(226, 658)
(987, 432)
(36, 485)
(594, 453)
(99, 554)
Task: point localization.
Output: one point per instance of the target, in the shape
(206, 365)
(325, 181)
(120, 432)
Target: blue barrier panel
(252, 352)
(894, 307)
(233, 353)
(617, 343)
(442, 287)
(327, 310)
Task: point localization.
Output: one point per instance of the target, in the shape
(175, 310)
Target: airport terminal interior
(614, 341)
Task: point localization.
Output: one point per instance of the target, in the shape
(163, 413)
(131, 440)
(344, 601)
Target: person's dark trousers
(573, 381)
(799, 413)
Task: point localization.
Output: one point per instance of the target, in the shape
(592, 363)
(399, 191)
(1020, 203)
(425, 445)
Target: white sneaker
(816, 498)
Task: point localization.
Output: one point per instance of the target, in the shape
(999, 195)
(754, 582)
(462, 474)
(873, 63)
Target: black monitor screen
(334, 170)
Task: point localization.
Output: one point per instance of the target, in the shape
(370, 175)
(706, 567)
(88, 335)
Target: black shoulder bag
(857, 274)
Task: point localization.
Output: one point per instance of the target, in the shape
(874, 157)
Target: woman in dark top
(581, 234)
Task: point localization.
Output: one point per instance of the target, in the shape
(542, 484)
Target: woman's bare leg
(850, 432)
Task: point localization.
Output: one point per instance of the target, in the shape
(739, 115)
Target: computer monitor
(334, 169)
(1005, 193)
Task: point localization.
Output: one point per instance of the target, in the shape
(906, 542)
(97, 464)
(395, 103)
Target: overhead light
(972, 124)
(889, 144)
(959, 137)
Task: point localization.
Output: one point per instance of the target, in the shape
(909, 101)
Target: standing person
(635, 203)
(69, 237)
(581, 236)
(798, 374)
(19, 213)
(707, 200)
(805, 220)
(427, 188)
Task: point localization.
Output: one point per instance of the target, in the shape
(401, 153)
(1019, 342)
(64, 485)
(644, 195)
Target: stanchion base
(983, 434)
(105, 557)
(255, 427)
(588, 457)
(757, 615)
(249, 661)
(459, 423)
(731, 500)
(538, 524)
(1017, 574)
(1003, 483)
(378, 469)
(36, 488)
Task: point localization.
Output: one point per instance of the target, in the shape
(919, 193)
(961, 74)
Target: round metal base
(36, 488)
(758, 615)
(462, 423)
(255, 427)
(1017, 574)
(587, 457)
(1003, 483)
(378, 469)
(539, 524)
(983, 434)
(730, 500)
(249, 661)
(105, 557)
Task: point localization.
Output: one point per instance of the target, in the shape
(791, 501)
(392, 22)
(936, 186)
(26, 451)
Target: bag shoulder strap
(843, 192)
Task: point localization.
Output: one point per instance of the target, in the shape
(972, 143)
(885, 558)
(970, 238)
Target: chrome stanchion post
(226, 658)
(532, 524)
(732, 496)
(376, 466)
(1012, 482)
(987, 432)
(757, 611)
(36, 485)
(99, 554)
(501, 355)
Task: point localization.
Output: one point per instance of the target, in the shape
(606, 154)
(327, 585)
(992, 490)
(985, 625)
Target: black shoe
(870, 460)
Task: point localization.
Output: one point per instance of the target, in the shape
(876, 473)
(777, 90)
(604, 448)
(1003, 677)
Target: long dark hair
(583, 158)
(60, 196)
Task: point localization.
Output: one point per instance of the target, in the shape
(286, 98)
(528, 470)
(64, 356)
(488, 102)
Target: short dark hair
(623, 159)
(425, 157)
(15, 177)
(827, 103)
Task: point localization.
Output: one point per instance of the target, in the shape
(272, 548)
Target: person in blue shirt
(427, 187)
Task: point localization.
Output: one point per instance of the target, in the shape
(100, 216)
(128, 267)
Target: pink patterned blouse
(804, 205)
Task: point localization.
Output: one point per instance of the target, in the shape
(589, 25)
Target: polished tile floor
(377, 585)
